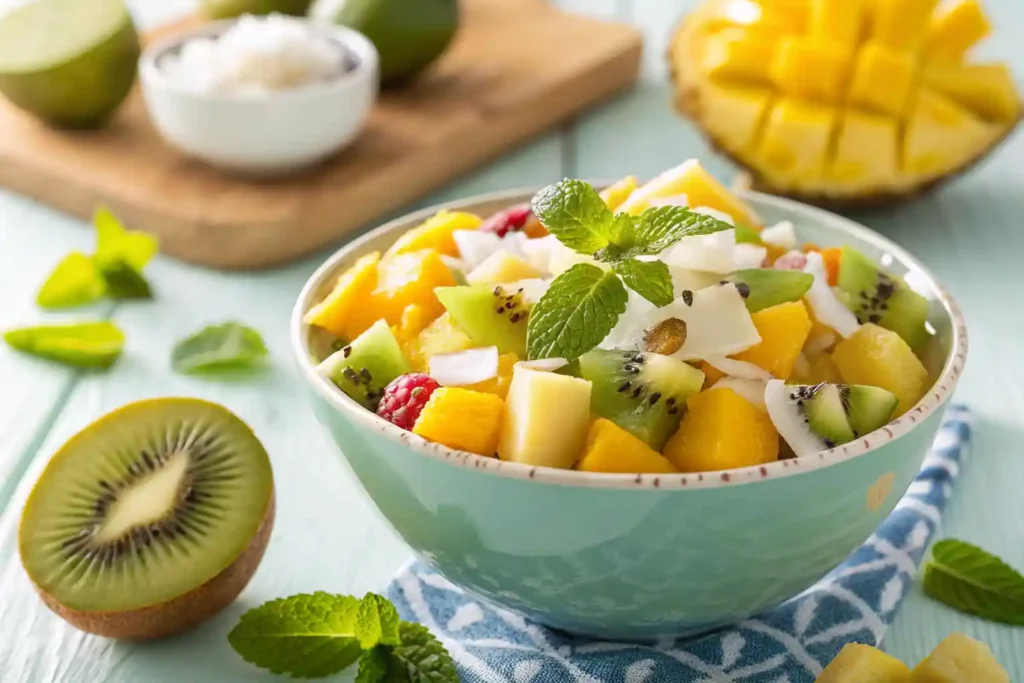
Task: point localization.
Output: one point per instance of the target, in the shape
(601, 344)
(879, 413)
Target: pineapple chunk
(337, 313)
(942, 136)
(735, 55)
(720, 431)
(879, 357)
(610, 448)
(440, 336)
(614, 195)
(881, 79)
(866, 152)
(987, 90)
(783, 329)
(500, 267)
(816, 368)
(795, 141)
(462, 419)
(955, 28)
(960, 659)
(436, 233)
(837, 21)
(858, 663)
(498, 385)
(809, 70)
(734, 114)
(546, 418)
(404, 279)
(901, 24)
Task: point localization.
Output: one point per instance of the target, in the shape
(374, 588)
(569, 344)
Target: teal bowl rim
(933, 399)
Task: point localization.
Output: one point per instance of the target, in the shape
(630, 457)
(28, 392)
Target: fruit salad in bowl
(612, 408)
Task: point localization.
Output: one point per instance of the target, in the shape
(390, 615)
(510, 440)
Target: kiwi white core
(147, 501)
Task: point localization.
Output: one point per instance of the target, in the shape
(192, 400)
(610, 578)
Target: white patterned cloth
(790, 644)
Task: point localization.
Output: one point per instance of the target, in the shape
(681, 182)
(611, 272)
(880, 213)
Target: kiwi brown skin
(687, 102)
(181, 613)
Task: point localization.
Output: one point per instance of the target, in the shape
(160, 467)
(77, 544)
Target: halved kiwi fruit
(150, 520)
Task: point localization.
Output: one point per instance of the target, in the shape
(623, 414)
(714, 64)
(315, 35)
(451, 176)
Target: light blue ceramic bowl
(636, 556)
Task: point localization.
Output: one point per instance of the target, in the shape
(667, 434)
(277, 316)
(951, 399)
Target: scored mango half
(843, 103)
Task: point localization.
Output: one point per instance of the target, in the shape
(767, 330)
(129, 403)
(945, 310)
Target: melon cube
(942, 136)
(795, 141)
(610, 448)
(462, 419)
(615, 194)
(737, 55)
(879, 357)
(436, 233)
(837, 21)
(733, 114)
(960, 659)
(783, 329)
(866, 152)
(809, 70)
(955, 28)
(858, 663)
(881, 79)
(342, 312)
(721, 430)
(901, 24)
(987, 90)
(501, 267)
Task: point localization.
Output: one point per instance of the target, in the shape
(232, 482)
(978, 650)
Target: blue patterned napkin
(790, 644)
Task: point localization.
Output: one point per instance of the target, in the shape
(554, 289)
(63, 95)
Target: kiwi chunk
(767, 287)
(366, 366)
(150, 520)
(489, 315)
(879, 297)
(644, 393)
(867, 408)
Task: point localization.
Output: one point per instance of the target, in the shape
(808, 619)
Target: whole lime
(69, 62)
(228, 9)
(409, 34)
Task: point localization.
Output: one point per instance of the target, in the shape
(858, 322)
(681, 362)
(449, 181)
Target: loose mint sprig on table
(582, 304)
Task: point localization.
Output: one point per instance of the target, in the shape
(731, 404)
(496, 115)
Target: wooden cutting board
(516, 69)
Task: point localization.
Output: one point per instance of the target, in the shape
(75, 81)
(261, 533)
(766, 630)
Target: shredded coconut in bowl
(257, 55)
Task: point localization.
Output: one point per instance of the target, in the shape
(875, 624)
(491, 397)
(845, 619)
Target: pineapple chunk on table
(858, 663)
(610, 448)
(462, 419)
(879, 357)
(960, 659)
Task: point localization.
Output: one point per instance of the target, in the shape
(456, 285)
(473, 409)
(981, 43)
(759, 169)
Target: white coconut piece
(750, 389)
(538, 251)
(788, 420)
(454, 263)
(464, 367)
(544, 364)
(781, 235)
(827, 308)
(680, 200)
(533, 288)
(475, 246)
(717, 323)
(714, 253)
(638, 316)
(714, 213)
(738, 368)
(748, 256)
(684, 279)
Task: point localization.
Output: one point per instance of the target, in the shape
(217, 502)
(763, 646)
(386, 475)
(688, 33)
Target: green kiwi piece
(366, 366)
(489, 315)
(767, 287)
(150, 520)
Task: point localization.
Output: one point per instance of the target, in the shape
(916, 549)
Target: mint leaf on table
(659, 227)
(974, 581)
(574, 212)
(650, 279)
(115, 243)
(228, 346)
(421, 658)
(577, 311)
(307, 635)
(92, 345)
(377, 622)
(74, 282)
(124, 282)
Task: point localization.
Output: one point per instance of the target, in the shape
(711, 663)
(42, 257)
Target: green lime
(82, 345)
(409, 34)
(69, 62)
(228, 9)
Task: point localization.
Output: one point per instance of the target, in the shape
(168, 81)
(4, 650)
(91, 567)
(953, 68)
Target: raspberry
(405, 397)
(502, 222)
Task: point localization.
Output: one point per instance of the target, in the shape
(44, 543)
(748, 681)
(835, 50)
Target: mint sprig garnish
(583, 303)
(318, 635)
(974, 581)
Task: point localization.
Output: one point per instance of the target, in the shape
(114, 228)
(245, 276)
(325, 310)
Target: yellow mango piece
(711, 374)
(610, 448)
(858, 663)
(733, 115)
(737, 55)
(807, 70)
(879, 357)
(335, 313)
(414, 319)
(783, 329)
(701, 189)
(960, 659)
(795, 141)
(837, 21)
(901, 24)
(498, 385)
(942, 136)
(614, 195)
(440, 336)
(881, 79)
(817, 367)
(866, 151)
(987, 90)
(720, 431)
(436, 233)
(955, 28)
(500, 267)
(409, 278)
(462, 419)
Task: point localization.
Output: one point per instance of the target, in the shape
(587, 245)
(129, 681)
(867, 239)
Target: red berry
(502, 222)
(405, 397)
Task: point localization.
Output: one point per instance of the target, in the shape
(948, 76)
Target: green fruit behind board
(409, 34)
(69, 62)
(228, 9)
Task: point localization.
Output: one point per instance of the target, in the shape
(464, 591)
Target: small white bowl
(265, 134)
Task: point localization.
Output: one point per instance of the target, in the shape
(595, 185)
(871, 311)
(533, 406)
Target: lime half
(69, 62)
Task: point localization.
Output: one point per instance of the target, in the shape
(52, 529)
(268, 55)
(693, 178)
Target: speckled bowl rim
(933, 400)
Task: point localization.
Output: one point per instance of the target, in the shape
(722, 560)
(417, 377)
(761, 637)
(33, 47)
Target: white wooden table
(327, 535)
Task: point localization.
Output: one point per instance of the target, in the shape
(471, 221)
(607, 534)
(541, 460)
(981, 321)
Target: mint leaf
(114, 243)
(573, 211)
(421, 658)
(81, 345)
(373, 666)
(74, 282)
(577, 311)
(974, 581)
(228, 346)
(307, 636)
(650, 279)
(124, 282)
(377, 622)
(659, 227)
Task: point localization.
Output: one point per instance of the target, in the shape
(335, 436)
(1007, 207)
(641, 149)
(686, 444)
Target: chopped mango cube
(407, 331)
(815, 368)
(879, 357)
(409, 278)
(808, 70)
(734, 55)
(440, 336)
(881, 79)
(955, 28)
(462, 419)
(960, 659)
(615, 194)
(858, 663)
(867, 147)
(721, 430)
(901, 24)
(988, 90)
(498, 385)
(837, 21)
(942, 136)
(337, 313)
(795, 141)
(783, 329)
(610, 448)
(711, 374)
(734, 114)
(500, 267)
(436, 233)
